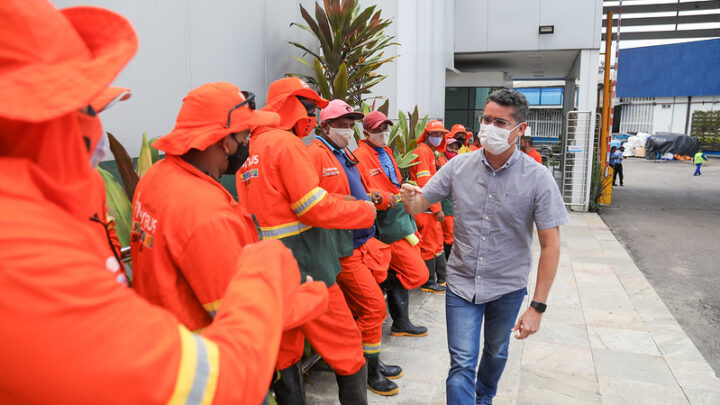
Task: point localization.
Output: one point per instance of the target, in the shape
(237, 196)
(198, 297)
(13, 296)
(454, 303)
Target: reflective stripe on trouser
(408, 264)
(198, 372)
(335, 336)
(447, 228)
(364, 298)
(431, 237)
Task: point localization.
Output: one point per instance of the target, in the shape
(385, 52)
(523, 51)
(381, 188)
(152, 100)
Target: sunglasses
(249, 100)
(309, 105)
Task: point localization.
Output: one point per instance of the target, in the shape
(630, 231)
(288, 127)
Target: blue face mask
(435, 140)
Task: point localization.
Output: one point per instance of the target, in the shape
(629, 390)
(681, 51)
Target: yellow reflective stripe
(186, 371)
(412, 239)
(308, 201)
(371, 348)
(198, 372)
(423, 173)
(283, 231)
(212, 307)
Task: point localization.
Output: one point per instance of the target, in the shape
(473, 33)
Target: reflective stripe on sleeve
(423, 173)
(283, 231)
(308, 201)
(198, 372)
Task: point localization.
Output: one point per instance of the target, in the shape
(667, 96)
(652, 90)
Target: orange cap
(434, 126)
(456, 129)
(204, 115)
(53, 63)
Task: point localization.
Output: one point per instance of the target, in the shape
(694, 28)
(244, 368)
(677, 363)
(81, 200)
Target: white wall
(185, 43)
(512, 25)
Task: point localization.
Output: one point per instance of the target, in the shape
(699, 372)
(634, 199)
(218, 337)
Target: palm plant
(351, 41)
(118, 197)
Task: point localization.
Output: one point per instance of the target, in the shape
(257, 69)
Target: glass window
(532, 94)
(456, 98)
(551, 96)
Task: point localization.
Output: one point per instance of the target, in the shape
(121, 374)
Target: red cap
(374, 119)
(338, 108)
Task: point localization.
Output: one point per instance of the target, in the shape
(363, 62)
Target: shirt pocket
(516, 210)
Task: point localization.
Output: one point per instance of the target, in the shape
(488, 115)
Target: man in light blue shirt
(498, 194)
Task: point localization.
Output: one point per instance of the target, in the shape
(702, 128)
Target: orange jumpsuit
(394, 226)
(71, 334)
(360, 288)
(184, 250)
(446, 204)
(431, 236)
(280, 187)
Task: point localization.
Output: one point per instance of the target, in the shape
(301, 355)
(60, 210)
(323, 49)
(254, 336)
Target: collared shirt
(494, 215)
(357, 190)
(615, 158)
(386, 164)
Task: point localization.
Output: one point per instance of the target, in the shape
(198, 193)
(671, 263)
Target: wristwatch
(539, 306)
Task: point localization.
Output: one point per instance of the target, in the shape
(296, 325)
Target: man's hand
(440, 216)
(528, 323)
(393, 201)
(408, 192)
(376, 197)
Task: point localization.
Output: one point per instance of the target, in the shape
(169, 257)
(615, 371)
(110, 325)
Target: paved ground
(607, 338)
(669, 221)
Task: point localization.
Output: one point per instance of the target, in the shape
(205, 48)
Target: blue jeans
(697, 168)
(464, 321)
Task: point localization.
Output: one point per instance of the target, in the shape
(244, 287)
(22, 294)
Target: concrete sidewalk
(606, 338)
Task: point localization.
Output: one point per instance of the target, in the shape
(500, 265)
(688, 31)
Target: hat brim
(377, 124)
(42, 91)
(182, 139)
(109, 97)
(355, 116)
(276, 103)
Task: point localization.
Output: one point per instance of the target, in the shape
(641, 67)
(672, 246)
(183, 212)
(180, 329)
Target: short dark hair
(511, 98)
(527, 139)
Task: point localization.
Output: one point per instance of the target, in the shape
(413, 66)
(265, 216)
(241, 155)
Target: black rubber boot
(351, 388)
(398, 303)
(376, 381)
(289, 389)
(448, 249)
(391, 372)
(431, 285)
(441, 270)
(391, 282)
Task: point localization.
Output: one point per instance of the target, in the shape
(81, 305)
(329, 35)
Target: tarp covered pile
(666, 144)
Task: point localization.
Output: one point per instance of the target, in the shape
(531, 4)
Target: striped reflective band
(423, 173)
(283, 231)
(371, 348)
(308, 201)
(198, 372)
(212, 307)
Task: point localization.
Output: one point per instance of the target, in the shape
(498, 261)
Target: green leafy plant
(403, 139)
(118, 196)
(351, 42)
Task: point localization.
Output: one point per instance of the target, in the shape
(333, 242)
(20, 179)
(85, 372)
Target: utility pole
(606, 175)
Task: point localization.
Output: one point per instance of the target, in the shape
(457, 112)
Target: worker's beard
(236, 160)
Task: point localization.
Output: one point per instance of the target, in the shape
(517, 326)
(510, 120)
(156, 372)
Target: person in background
(393, 225)
(616, 159)
(698, 159)
(491, 261)
(431, 144)
(475, 145)
(78, 335)
(280, 186)
(453, 141)
(526, 145)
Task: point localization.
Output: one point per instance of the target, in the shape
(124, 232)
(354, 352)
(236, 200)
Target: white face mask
(100, 151)
(380, 138)
(341, 136)
(435, 140)
(494, 139)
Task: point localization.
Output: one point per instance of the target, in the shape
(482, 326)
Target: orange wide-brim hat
(52, 63)
(204, 115)
(109, 97)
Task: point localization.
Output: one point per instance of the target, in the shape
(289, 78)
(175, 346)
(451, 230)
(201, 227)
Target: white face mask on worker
(341, 136)
(494, 139)
(379, 138)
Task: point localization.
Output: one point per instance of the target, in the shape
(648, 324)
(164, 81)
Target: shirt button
(487, 217)
(493, 174)
(484, 238)
(489, 195)
(478, 277)
(481, 259)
